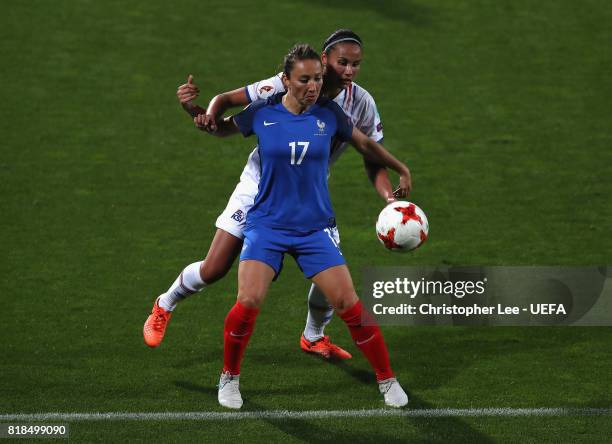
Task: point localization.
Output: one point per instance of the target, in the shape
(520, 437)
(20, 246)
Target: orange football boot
(324, 348)
(155, 326)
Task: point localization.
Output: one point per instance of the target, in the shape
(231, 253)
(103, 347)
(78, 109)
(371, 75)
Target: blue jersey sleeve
(244, 119)
(344, 131)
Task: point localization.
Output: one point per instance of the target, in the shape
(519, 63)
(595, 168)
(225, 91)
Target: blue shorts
(313, 252)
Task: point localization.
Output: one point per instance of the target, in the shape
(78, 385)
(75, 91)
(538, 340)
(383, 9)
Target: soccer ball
(402, 226)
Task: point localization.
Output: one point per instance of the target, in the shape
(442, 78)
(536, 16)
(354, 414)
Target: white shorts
(233, 218)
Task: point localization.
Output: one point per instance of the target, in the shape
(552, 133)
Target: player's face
(343, 63)
(305, 81)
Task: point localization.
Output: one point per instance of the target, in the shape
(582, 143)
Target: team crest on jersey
(321, 126)
(238, 216)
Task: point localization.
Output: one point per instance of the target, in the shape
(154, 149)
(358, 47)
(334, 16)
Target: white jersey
(358, 105)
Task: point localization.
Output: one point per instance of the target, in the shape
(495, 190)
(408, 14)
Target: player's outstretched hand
(405, 185)
(187, 92)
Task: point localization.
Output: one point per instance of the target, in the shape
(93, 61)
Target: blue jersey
(294, 154)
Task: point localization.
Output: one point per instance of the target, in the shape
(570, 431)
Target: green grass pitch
(501, 109)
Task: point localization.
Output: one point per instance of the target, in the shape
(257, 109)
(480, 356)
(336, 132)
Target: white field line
(305, 414)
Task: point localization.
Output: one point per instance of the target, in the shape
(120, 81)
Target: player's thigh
(223, 251)
(337, 286)
(316, 297)
(254, 279)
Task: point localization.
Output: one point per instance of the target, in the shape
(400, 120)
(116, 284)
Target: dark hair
(301, 51)
(339, 36)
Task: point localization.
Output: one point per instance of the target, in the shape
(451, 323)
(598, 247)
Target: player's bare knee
(345, 302)
(249, 303)
(250, 299)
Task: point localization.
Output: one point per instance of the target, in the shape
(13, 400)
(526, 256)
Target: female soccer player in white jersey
(342, 57)
(292, 214)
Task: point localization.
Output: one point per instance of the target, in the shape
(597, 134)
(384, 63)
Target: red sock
(239, 324)
(369, 339)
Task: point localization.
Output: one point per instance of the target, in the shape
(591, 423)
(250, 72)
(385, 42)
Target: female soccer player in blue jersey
(342, 56)
(292, 214)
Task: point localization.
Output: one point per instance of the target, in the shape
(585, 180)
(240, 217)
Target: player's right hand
(210, 122)
(199, 121)
(187, 92)
(203, 122)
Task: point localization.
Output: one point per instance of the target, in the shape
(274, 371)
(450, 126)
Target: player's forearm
(218, 105)
(377, 153)
(379, 177)
(225, 127)
(192, 109)
(224, 101)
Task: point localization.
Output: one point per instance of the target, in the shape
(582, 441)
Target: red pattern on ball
(389, 239)
(409, 213)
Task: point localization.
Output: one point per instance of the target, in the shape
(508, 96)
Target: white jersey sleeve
(265, 88)
(360, 108)
(368, 120)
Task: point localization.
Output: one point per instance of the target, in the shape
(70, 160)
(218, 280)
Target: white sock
(187, 283)
(319, 314)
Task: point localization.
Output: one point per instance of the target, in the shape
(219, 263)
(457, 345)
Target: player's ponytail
(301, 51)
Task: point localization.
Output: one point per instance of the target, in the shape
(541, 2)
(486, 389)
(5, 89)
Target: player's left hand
(405, 185)
(187, 92)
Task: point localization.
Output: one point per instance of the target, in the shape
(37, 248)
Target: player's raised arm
(225, 100)
(375, 152)
(260, 90)
(188, 92)
(221, 103)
